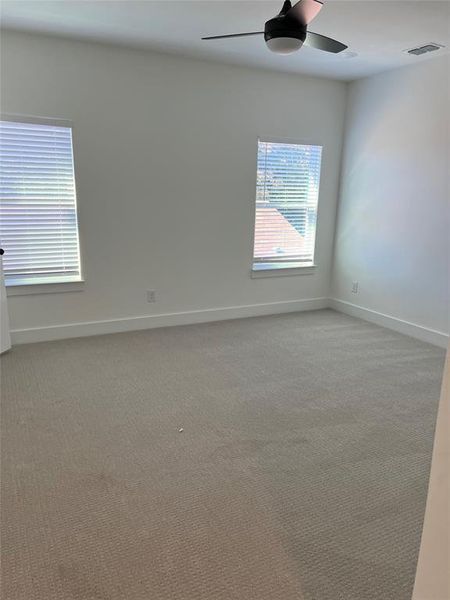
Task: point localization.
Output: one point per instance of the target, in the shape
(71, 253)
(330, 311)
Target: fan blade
(321, 42)
(232, 35)
(305, 11)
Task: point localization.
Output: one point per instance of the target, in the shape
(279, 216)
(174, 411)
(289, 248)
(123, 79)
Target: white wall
(165, 156)
(393, 224)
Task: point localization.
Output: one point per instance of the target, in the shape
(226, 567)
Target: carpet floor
(301, 469)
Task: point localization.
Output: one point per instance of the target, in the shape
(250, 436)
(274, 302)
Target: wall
(393, 224)
(165, 153)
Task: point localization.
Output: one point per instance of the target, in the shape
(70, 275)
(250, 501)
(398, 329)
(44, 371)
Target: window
(287, 191)
(38, 214)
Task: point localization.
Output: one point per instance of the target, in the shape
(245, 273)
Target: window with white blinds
(38, 213)
(287, 192)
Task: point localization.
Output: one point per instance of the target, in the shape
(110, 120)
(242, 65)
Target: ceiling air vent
(424, 49)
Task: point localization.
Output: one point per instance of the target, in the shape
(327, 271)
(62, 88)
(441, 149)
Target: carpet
(280, 457)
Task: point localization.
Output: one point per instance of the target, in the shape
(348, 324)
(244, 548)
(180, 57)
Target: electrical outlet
(355, 287)
(151, 296)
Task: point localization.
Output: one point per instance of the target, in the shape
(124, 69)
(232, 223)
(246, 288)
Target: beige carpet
(301, 471)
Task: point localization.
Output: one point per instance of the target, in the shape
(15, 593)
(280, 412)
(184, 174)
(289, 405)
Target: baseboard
(73, 330)
(437, 338)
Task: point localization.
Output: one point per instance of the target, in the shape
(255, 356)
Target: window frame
(25, 286)
(270, 269)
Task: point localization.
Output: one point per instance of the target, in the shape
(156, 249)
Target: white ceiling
(377, 31)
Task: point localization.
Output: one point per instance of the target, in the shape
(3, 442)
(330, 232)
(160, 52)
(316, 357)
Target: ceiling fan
(287, 32)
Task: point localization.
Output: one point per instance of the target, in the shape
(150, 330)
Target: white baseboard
(73, 330)
(437, 338)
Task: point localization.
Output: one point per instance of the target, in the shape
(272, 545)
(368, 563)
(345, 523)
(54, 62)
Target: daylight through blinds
(287, 193)
(38, 217)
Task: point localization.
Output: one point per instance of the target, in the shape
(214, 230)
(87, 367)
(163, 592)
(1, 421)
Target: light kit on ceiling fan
(284, 45)
(287, 32)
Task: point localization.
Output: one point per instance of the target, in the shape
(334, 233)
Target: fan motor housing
(282, 26)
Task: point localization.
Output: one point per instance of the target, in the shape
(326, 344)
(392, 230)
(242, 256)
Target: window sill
(267, 270)
(50, 287)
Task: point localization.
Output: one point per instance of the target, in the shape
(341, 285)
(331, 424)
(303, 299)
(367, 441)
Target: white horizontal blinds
(287, 192)
(38, 217)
